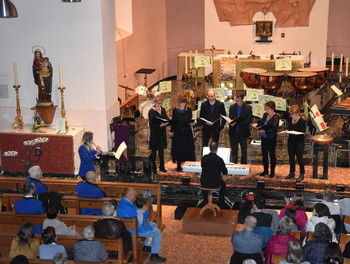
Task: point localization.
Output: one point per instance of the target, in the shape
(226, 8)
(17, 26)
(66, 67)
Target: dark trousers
(296, 149)
(236, 139)
(207, 132)
(160, 154)
(268, 148)
(221, 194)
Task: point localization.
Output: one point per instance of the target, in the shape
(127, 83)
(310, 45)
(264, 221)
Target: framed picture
(263, 28)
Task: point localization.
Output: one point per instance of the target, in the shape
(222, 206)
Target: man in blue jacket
(126, 208)
(35, 176)
(89, 189)
(29, 205)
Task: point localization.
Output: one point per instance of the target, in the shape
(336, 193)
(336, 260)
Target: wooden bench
(10, 222)
(343, 240)
(73, 203)
(68, 242)
(116, 189)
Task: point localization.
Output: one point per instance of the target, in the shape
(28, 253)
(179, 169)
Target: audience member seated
(321, 215)
(60, 227)
(247, 244)
(141, 210)
(29, 205)
(88, 249)
(110, 227)
(20, 259)
(275, 220)
(60, 258)
(278, 244)
(126, 208)
(328, 199)
(49, 249)
(291, 213)
(264, 220)
(333, 254)
(344, 205)
(295, 254)
(89, 189)
(297, 203)
(314, 250)
(35, 176)
(24, 243)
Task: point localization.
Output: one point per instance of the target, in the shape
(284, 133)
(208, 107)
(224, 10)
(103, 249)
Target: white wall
(304, 39)
(78, 36)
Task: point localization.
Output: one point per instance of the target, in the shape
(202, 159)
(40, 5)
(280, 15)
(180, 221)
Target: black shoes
(264, 173)
(291, 175)
(155, 258)
(162, 169)
(179, 169)
(146, 249)
(272, 174)
(301, 177)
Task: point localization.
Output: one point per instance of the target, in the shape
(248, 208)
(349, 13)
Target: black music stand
(145, 72)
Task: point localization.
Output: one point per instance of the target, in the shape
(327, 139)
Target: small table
(145, 72)
(317, 148)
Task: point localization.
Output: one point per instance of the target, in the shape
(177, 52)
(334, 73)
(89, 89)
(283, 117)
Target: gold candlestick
(63, 110)
(18, 119)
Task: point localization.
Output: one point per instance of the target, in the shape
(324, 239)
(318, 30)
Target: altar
(59, 156)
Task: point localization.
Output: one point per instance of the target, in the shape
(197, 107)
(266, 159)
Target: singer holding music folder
(267, 127)
(210, 118)
(158, 120)
(241, 115)
(88, 154)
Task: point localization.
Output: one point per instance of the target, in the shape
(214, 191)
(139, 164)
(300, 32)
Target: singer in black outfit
(157, 140)
(239, 129)
(182, 146)
(212, 110)
(269, 138)
(296, 142)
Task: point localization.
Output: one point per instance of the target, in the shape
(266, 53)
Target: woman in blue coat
(88, 154)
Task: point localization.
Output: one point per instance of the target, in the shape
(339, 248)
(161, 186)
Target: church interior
(102, 65)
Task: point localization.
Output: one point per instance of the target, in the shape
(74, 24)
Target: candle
(346, 67)
(190, 59)
(185, 64)
(196, 56)
(15, 73)
(341, 63)
(61, 78)
(332, 65)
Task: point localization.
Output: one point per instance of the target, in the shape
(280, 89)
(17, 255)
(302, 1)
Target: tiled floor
(180, 248)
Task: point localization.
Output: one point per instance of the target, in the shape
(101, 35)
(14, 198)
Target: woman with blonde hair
(158, 120)
(88, 154)
(296, 142)
(182, 147)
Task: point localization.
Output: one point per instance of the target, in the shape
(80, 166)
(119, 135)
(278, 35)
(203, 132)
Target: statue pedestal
(46, 113)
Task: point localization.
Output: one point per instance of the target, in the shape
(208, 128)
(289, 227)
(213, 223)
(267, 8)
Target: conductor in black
(213, 167)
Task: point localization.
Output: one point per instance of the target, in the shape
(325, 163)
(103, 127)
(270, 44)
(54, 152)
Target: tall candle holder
(63, 110)
(18, 119)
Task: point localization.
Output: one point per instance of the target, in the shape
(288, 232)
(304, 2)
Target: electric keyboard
(233, 169)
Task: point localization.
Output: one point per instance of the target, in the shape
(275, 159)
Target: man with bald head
(127, 208)
(246, 243)
(212, 110)
(89, 189)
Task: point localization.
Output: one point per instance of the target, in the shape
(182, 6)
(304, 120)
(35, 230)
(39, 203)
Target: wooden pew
(275, 259)
(343, 240)
(10, 222)
(68, 242)
(69, 201)
(116, 189)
